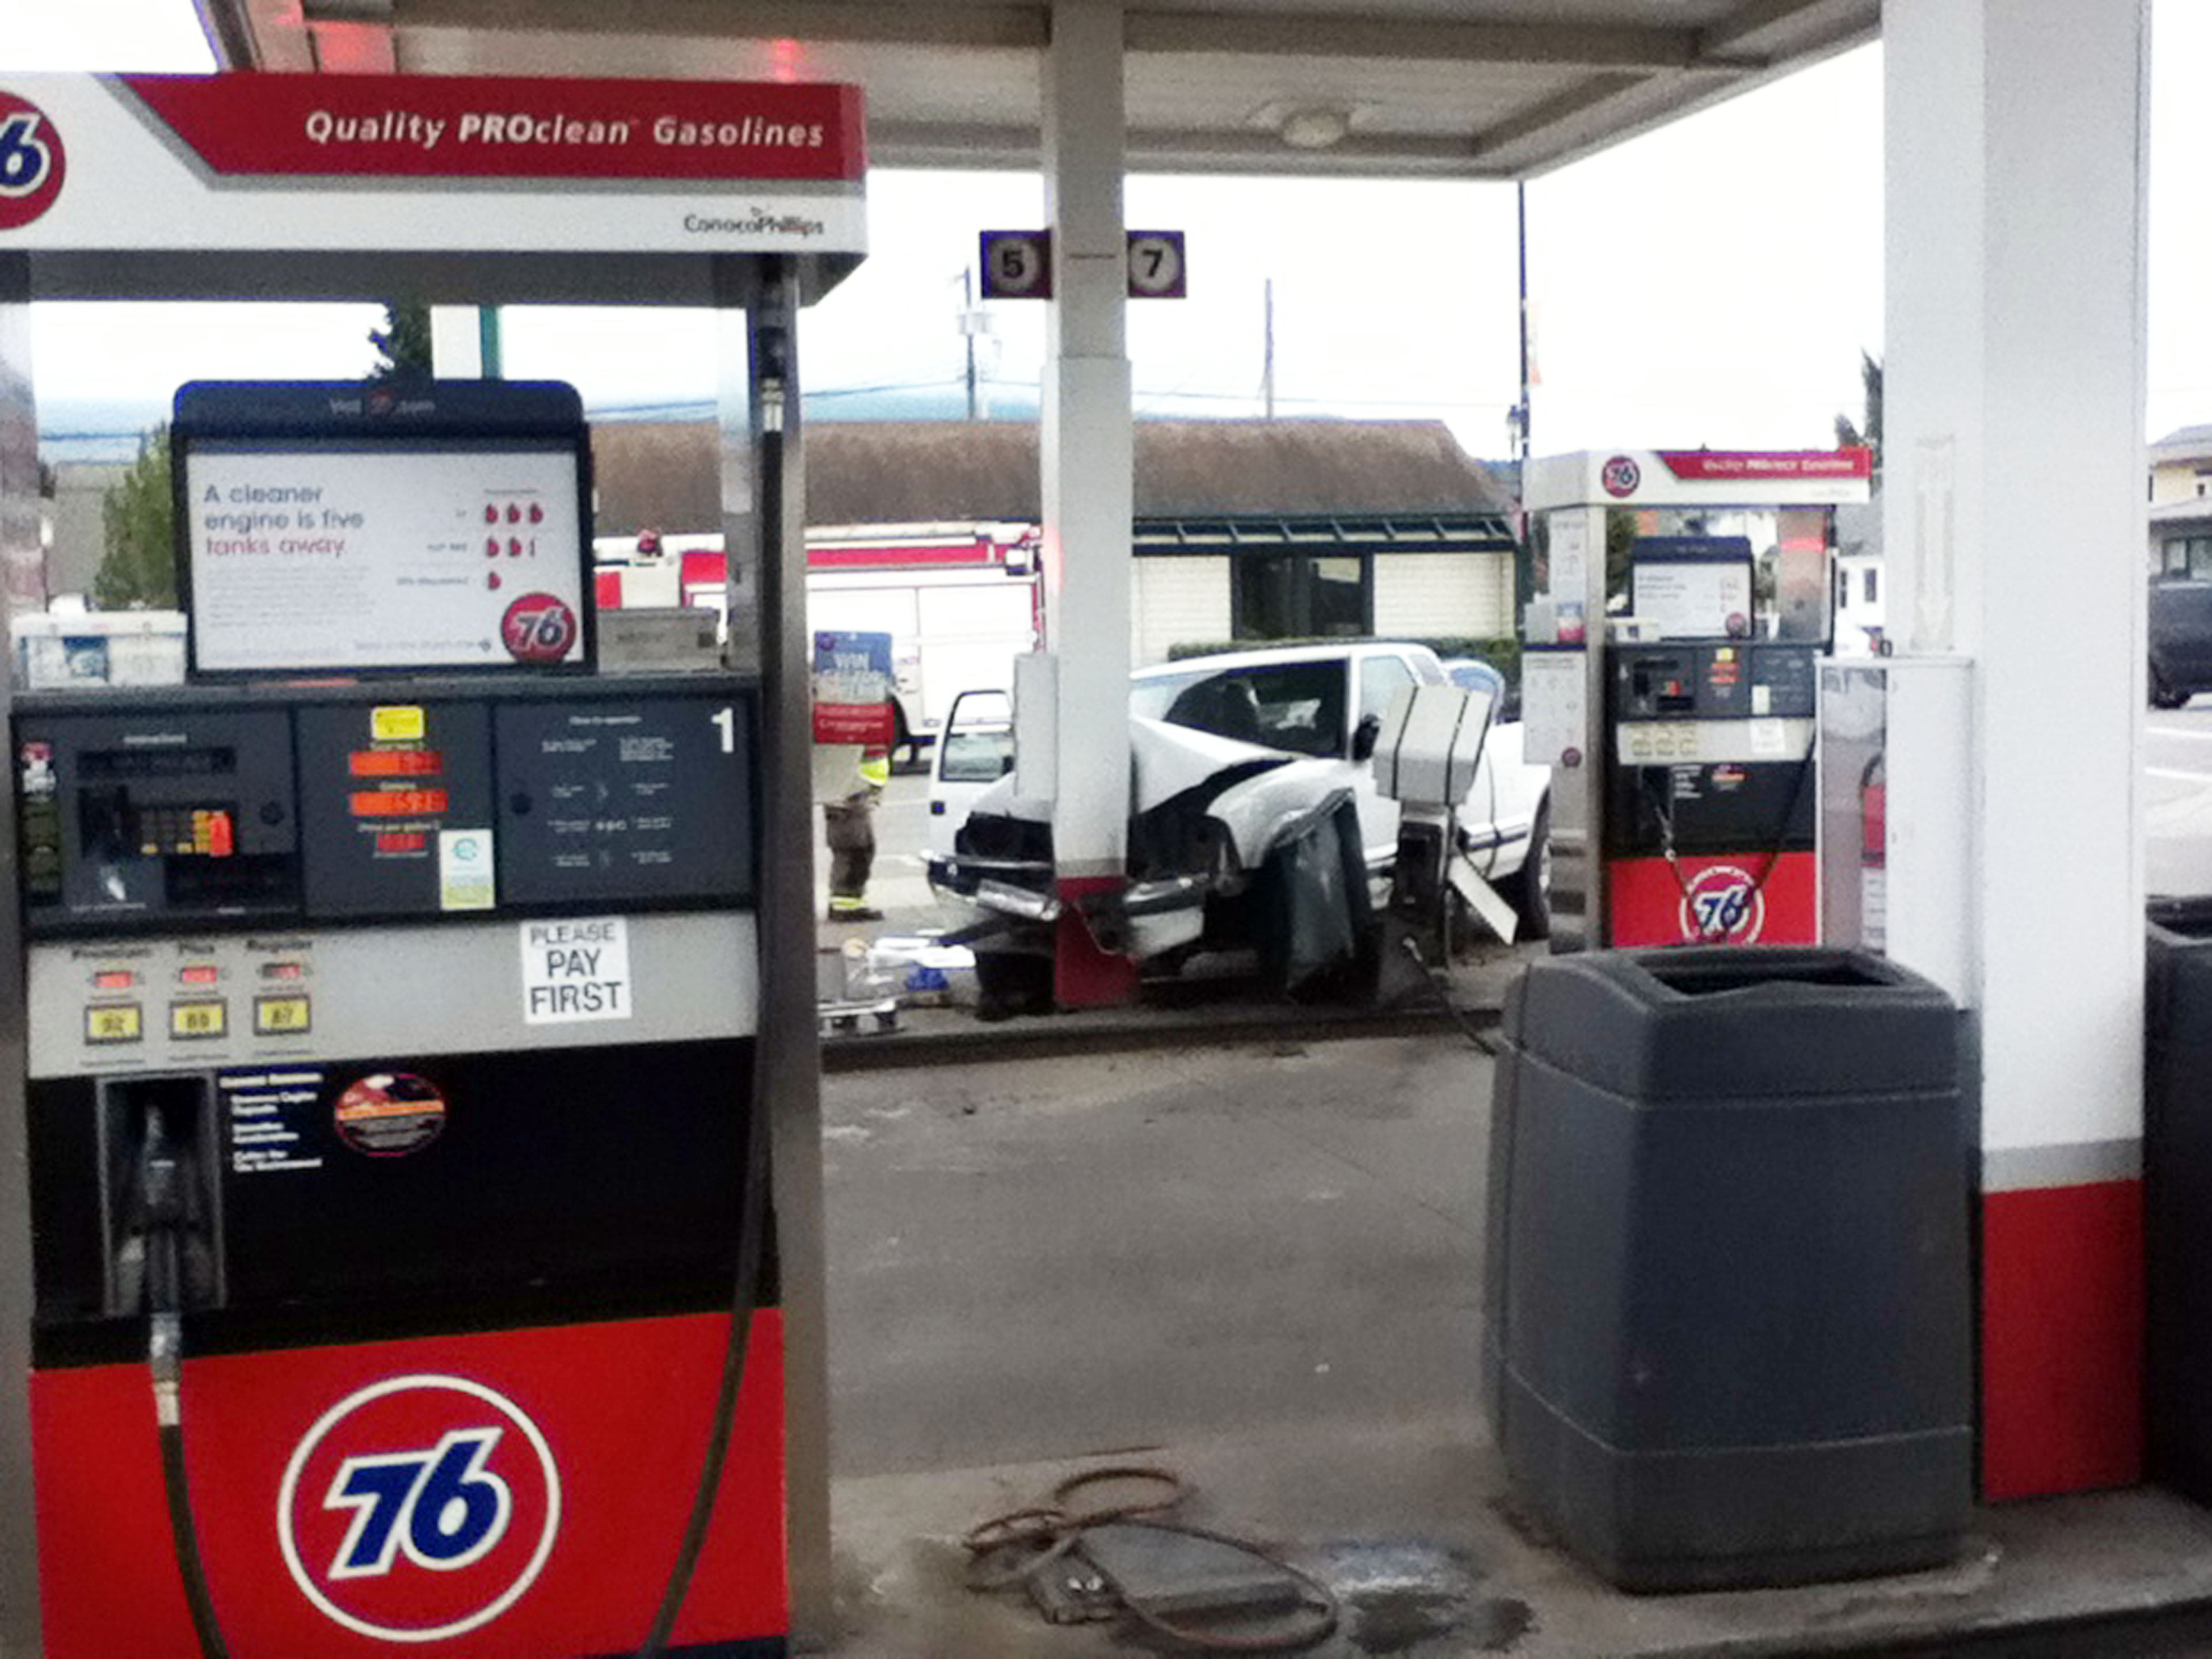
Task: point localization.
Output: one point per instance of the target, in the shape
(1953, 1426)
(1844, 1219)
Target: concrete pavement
(1259, 1261)
(1245, 1239)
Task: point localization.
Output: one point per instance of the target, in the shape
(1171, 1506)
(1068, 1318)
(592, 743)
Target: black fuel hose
(752, 1227)
(161, 1183)
(752, 1213)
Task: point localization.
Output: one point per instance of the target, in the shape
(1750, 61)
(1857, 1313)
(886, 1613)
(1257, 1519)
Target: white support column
(2013, 528)
(1085, 449)
(456, 344)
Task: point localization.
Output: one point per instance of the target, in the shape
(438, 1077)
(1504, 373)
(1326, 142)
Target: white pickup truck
(1233, 756)
(1326, 702)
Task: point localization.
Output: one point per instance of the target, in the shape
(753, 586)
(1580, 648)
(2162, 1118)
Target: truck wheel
(1528, 891)
(2162, 694)
(1010, 983)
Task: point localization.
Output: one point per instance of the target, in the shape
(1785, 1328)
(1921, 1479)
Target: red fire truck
(960, 601)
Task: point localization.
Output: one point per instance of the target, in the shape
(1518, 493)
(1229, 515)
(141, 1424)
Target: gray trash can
(2177, 1193)
(1728, 1292)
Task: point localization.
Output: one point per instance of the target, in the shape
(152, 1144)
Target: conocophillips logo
(761, 221)
(32, 162)
(1620, 477)
(419, 1508)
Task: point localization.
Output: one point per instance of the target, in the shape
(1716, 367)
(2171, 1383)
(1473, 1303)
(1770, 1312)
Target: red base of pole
(1083, 975)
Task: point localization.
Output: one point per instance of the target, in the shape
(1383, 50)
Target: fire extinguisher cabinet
(1727, 1285)
(2177, 1191)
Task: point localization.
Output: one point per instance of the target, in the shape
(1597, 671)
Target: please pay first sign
(577, 968)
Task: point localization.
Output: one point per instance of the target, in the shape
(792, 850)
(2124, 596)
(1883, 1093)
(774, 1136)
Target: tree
(139, 517)
(1869, 431)
(1620, 534)
(402, 344)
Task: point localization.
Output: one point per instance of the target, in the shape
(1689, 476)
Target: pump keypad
(198, 1019)
(114, 1022)
(285, 1016)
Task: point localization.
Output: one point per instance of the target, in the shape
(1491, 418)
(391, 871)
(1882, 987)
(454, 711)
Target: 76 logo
(25, 158)
(32, 162)
(1722, 902)
(441, 1506)
(538, 628)
(436, 1473)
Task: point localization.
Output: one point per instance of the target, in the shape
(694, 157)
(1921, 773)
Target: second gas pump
(1673, 690)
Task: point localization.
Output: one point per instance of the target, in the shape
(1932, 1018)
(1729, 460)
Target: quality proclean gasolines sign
(236, 161)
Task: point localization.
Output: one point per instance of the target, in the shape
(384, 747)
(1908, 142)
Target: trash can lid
(1743, 1023)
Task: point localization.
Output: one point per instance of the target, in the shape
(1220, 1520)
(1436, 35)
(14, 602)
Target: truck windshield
(1296, 706)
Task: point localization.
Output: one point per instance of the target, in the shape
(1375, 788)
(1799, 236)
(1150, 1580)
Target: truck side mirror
(1364, 736)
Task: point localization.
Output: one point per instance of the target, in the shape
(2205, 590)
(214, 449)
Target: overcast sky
(1730, 310)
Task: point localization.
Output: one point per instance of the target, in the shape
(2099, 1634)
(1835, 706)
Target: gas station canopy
(1446, 88)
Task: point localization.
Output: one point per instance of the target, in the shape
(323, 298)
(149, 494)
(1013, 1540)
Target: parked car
(1256, 822)
(2180, 638)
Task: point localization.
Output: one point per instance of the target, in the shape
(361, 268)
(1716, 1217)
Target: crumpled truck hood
(1251, 789)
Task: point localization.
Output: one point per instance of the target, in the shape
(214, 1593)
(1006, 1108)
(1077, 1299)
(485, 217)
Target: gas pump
(1680, 714)
(401, 1036)
(1709, 804)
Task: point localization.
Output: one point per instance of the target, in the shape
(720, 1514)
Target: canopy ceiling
(1447, 88)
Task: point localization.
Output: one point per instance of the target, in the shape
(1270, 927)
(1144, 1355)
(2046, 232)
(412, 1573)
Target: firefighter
(850, 828)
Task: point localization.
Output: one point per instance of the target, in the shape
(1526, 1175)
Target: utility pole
(1521, 420)
(1524, 550)
(968, 330)
(1268, 361)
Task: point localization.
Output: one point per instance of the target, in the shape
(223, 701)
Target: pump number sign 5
(1017, 265)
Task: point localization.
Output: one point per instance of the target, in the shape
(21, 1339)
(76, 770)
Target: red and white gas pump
(1676, 693)
(407, 1002)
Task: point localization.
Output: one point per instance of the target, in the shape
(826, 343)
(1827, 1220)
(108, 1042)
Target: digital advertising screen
(391, 535)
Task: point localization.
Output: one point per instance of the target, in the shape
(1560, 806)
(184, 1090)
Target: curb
(1046, 1036)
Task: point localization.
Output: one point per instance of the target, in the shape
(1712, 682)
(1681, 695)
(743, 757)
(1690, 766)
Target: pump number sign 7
(1156, 266)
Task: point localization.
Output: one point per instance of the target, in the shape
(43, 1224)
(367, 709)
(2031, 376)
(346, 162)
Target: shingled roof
(663, 476)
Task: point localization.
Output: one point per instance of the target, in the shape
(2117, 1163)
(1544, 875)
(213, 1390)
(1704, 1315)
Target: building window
(1294, 596)
(2188, 558)
(1873, 583)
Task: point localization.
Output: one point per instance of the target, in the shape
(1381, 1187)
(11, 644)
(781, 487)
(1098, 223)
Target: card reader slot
(197, 884)
(1665, 685)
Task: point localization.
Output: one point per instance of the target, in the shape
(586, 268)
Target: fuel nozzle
(161, 1212)
(165, 1228)
(164, 1258)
